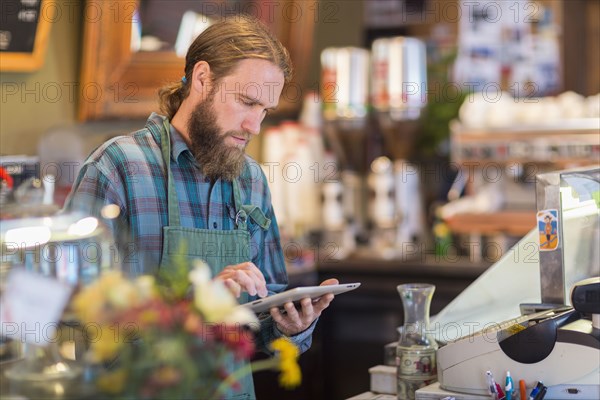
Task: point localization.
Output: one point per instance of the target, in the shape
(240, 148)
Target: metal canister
(399, 80)
(345, 82)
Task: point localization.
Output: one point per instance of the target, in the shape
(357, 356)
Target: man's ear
(201, 81)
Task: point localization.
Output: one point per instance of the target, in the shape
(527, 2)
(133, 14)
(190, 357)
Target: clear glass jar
(416, 350)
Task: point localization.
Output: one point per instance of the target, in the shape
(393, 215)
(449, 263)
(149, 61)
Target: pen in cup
(491, 384)
(509, 386)
(541, 394)
(522, 390)
(535, 390)
(493, 387)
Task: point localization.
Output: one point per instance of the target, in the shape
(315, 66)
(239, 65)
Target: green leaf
(173, 280)
(596, 197)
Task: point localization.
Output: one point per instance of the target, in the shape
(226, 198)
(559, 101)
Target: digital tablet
(297, 294)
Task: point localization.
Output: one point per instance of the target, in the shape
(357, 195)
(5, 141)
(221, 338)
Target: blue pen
(535, 390)
(541, 394)
(509, 387)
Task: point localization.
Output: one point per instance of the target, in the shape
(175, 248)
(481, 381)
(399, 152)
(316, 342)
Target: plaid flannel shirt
(129, 171)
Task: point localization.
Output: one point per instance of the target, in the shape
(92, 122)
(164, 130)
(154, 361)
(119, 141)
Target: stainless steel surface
(399, 81)
(345, 82)
(73, 248)
(576, 256)
(552, 276)
(399, 92)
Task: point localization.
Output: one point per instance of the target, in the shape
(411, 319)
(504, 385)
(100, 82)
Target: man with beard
(183, 183)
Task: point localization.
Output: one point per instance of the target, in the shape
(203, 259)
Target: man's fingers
(322, 303)
(308, 311)
(246, 281)
(233, 287)
(331, 281)
(276, 314)
(254, 270)
(259, 279)
(291, 311)
(249, 276)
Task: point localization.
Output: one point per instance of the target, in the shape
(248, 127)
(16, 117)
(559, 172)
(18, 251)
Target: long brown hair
(222, 45)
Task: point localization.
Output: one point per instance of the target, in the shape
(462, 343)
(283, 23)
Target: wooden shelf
(561, 129)
(517, 223)
(563, 144)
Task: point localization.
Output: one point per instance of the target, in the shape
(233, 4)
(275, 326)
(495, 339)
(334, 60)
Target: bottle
(416, 350)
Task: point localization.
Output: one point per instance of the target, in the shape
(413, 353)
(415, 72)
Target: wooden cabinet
(117, 82)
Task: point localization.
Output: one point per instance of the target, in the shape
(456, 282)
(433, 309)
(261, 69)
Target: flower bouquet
(171, 337)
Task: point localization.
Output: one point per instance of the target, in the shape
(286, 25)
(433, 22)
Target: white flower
(244, 316)
(145, 286)
(200, 274)
(215, 301)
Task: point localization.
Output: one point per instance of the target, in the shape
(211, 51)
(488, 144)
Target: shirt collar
(178, 145)
(155, 125)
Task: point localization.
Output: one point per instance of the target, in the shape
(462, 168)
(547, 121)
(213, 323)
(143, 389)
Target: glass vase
(416, 350)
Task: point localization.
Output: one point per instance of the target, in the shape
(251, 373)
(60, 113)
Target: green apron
(217, 248)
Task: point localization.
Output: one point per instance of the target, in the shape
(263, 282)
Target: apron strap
(257, 216)
(241, 216)
(245, 211)
(172, 201)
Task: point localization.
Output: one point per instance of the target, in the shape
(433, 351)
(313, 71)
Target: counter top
(408, 266)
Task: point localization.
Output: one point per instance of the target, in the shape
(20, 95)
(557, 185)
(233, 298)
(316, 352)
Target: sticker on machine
(547, 222)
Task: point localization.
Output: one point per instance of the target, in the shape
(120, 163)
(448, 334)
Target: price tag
(31, 307)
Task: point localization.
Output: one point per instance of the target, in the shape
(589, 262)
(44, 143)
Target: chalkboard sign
(24, 27)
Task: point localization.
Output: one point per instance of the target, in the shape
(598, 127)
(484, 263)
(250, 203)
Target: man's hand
(294, 321)
(244, 277)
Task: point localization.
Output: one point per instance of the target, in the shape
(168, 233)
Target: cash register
(560, 346)
(555, 341)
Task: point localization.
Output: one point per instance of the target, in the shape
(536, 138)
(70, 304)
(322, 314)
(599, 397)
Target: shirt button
(215, 225)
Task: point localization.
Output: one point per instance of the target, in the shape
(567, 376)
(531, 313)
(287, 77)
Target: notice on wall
(24, 30)
(508, 45)
(18, 25)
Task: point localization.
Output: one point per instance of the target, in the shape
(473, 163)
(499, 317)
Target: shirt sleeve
(92, 191)
(95, 188)
(269, 332)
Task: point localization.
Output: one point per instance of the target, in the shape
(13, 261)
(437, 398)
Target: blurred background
(405, 149)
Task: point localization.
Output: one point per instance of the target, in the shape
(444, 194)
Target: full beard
(216, 158)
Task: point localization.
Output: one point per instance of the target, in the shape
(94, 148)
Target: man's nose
(252, 122)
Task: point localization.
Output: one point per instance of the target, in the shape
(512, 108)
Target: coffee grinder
(345, 94)
(398, 96)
